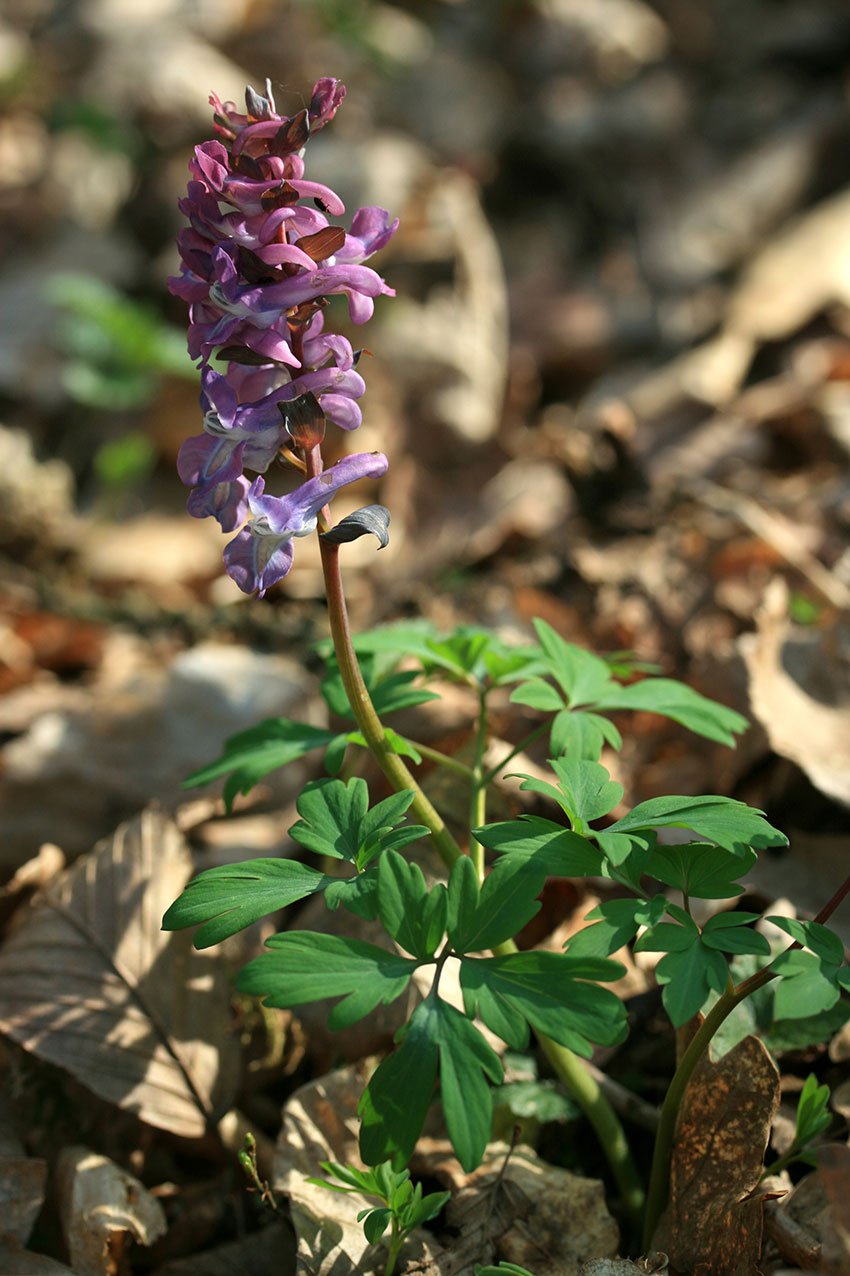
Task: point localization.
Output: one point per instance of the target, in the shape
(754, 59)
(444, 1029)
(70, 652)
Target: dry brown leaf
(270, 1252)
(713, 1224)
(800, 692)
(834, 1171)
(516, 1208)
(810, 1226)
(104, 1210)
(88, 981)
(22, 1181)
(17, 1261)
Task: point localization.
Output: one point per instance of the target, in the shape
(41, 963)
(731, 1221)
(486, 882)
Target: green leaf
(583, 677)
(687, 977)
(540, 1101)
(809, 985)
(538, 694)
(501, 1269)
(679, 702)
(819, 939)
(229, 898)
(813, 1115)
(358, 895)
(580, 734)
(397, 743)
(335, 754)
(556, 851)
(699, 870)
(732, 933)
(730, 824)
(480, 918)
(307, 966)
(414, 916)
(783, 1035)
(619, 920)
(423, 1209)
(396, 1100)
(336, 821)
(585, 790)
(549, 992)
(255, 753)
(375, 1223)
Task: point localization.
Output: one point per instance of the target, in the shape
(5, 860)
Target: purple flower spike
(260, 264)
(261, 554)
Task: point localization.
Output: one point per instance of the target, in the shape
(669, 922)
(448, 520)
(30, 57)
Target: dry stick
(569, 1068)
(659, 1182)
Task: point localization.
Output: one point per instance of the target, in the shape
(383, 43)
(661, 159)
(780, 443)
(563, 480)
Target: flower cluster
(259, 265)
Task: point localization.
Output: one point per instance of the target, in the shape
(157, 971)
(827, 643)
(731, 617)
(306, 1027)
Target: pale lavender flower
(261, 554)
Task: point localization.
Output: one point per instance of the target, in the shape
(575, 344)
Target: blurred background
(614, 386)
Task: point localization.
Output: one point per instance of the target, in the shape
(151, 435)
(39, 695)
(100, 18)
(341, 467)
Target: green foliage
(615, 923)
(549, 992)
(411, 914)
(733, 825)
(336, 821)
(693, 965)
(699, 870)
(229, 898)
(482, 917)
(584, 792)
(396, 1100)
(586, 686)
(402, 1205)
(253, 754)
(115, 347)
(305, 966)
(554, 850)
(813, 1115)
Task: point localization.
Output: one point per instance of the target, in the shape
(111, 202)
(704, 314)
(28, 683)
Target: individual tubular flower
(261, 554)
(260, 261)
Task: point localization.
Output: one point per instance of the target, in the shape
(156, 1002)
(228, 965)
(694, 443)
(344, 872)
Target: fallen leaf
(799, 693)
(17, 1261)
(809, 1227)
(104, 1210)
(22, 1181)
(713, 1223)
(270, 1252)
(90, 982)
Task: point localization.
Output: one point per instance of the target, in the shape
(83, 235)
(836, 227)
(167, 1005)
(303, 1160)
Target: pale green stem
(478, 792)
(441, 759)
(490, 776)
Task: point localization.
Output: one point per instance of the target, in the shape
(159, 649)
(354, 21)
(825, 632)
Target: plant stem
(659, 1183)
(441, 759)
(583, 1087)
(364, 711)
(478, 792)
(572, 1072)
(393, 1247)
(538, 731)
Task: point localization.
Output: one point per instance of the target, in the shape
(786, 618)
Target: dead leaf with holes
(89, 982)
(104, 1211)
(713, 1223)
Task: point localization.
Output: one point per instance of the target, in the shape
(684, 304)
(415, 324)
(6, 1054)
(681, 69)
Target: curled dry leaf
(799, 692)
(713, 1223)
(91, 983)
(104, 1210)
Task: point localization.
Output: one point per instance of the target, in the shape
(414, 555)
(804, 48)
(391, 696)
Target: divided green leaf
(548, 992)
(585, 790)
(411, 914)
(229, 898)
(481, 917)
(336, 821)
(305, 966)
(395, 1103)
(615, 923)
(721, 820)
(253, 754)
(699, 870)
(581, 734)
(677, 701)
(553, 849)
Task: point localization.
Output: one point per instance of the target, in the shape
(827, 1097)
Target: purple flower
(261, 554)
(259, 266)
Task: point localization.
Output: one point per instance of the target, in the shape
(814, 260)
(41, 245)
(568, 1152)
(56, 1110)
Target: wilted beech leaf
(91, 983)
(374, 519)
(713, 1223)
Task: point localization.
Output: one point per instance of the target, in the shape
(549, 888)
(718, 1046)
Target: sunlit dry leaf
(798, 691)
(713, 1223)
(270, 1252)
(104, 1210)
(88, 981)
